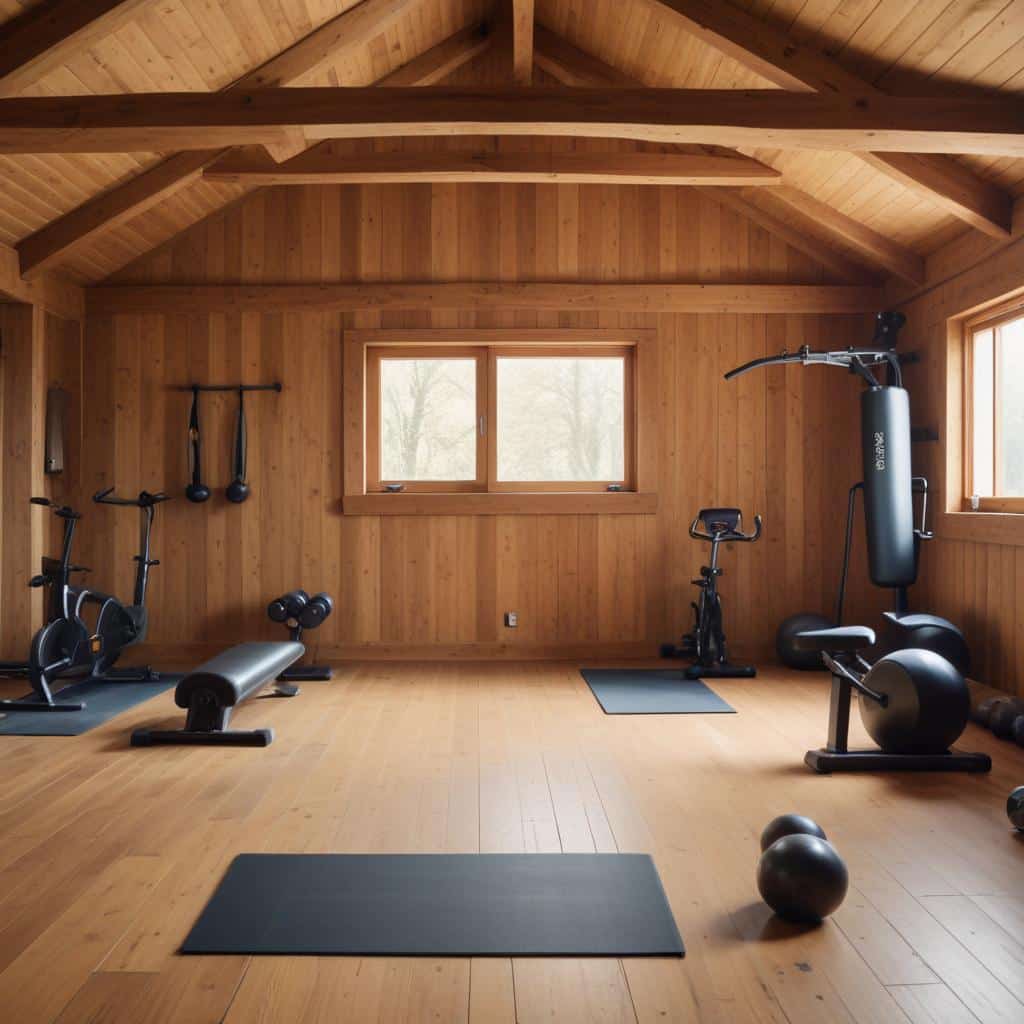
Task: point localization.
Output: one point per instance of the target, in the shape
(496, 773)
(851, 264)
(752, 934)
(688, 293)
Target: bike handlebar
(726, 535)
(64, 511)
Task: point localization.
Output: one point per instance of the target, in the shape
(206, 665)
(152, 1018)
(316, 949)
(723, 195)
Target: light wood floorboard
(108, 854)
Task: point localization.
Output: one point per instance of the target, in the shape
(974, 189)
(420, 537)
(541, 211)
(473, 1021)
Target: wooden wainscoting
(781, 443)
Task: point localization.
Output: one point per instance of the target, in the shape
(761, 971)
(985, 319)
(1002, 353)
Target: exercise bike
(54, 577)
(67, 647)
(706, 644)
(914, 704)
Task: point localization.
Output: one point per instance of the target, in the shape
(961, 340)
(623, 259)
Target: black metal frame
(836, 755)
(65, 644)
(707, 642)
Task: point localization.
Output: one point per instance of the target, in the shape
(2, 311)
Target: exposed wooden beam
(558, 295)
(761, 48)
(957, 189)
(798, 233)
(52, 33)
(572, 66)
(875, 247)
(437, 63)
(349, 31)
(769, 117)
(522, 41)
(321, 167)
(54, 292)
(58, 239)
(775, 57)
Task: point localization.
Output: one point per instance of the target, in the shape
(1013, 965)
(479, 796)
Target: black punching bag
(888, 490)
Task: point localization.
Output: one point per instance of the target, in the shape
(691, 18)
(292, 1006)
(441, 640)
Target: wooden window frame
(990, 319)
(375, 355)
(364, 494)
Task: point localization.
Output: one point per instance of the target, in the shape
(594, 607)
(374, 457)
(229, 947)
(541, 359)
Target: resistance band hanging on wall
(238, 490)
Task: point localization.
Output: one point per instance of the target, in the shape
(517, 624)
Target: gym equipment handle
(727, 535)
(144, 500)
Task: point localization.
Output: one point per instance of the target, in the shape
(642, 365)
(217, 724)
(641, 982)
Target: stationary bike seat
(836, 639)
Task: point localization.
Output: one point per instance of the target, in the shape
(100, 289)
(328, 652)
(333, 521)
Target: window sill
(982, 527)
(548, 503)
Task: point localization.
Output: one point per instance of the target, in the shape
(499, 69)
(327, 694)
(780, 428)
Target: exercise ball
(806, 661)
(789, 825)
(802, 878)
(927, 705)
(1015, 808)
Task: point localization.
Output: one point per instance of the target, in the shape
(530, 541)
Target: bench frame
(207, 717)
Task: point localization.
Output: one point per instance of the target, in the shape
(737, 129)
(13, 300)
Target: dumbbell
(1003, 715)
(317, 608)
(1017, 733)
(288, 606)
(300, 612)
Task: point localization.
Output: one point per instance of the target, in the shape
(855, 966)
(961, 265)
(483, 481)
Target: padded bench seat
(211, 692)
(835, 640)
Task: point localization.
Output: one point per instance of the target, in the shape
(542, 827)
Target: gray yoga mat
(103, 700)
(439, 905)
(652, 691)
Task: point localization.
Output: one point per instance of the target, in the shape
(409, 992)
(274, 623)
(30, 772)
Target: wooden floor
(107, 854)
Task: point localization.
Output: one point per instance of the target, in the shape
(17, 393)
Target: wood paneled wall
(973, 572)
(780, 443)
(36, 350)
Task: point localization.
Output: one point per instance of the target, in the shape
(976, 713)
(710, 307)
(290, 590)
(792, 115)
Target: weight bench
(215, 688)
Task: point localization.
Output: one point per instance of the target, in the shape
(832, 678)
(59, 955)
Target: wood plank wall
(35, 348)
(973, 572)
(779, 443)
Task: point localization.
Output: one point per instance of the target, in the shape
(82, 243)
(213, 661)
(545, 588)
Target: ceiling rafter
(775, 57)
(352, 29)
(144, 122)
(816, 216)
(53, 33)
(522, 41)
(826, 238)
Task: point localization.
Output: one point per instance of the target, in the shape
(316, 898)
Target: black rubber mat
(103, 700)
(652, 691)
(439, 905)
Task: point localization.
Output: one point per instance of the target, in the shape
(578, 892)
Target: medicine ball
(789, 825)
(789, 655)
(927, 705)
(802, 878)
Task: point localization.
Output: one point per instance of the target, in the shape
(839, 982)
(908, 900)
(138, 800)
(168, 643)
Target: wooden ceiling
(873, 209)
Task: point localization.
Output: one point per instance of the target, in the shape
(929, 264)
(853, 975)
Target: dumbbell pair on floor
(1004, 716)
(299, 613)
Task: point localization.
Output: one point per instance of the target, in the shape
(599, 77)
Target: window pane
(981, 411)
(1010, 408)
(428, 419)
(561, 418)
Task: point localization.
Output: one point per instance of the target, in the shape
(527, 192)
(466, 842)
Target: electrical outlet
(511, 619)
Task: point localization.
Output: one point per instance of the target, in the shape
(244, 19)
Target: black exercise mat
(439, 905)
(103, 700)
(652, 691)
